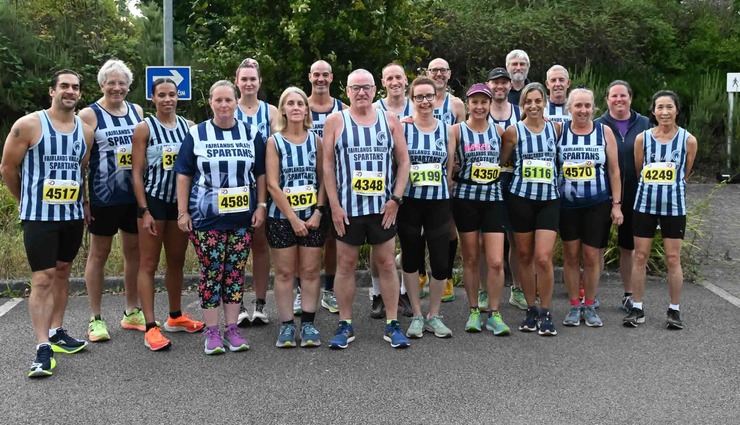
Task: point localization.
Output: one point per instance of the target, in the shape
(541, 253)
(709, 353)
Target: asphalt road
(584, 375)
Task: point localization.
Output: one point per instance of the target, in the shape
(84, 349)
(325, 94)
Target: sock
(544, 311)
(42, 344)
(287, 322)
(474, 309)
(347, 321)
(260, 301)
(490, 313)
(175, 314)
(589, 302)
(53, 332)
(307, 317)
(376, 285)
(452, 256)
(637, 305)
(628, 294)
(150, 326)
(575, 303)
(389, 321)
(129, 312)
(673, 306)
(329, 282)
(97, 317)
(403, 285)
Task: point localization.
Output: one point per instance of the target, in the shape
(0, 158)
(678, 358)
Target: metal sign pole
(731, 99)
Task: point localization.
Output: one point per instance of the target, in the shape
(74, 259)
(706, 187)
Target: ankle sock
(150, 326)
(376, 285)
(575, 303)
(635, 304)
(175, 314)
(53, 332)
(307, 317)
(673, 307)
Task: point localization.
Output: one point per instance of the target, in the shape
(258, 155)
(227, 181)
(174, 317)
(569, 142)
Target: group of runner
(514, 162)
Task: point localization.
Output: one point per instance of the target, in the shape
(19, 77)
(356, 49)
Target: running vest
(407, 110)
(479, 175)
(109, 174)
(261, 119)
(319, 118)
(514, 117)
(224, 164)
(535, 174)
(556, 112)
(428, 159)
(161, 153)
(662, 189)
(298, 176)
(444, 112)
(364, 165)
(51, 180)
(584, 180)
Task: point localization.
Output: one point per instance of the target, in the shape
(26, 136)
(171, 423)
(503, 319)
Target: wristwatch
(140, 211)
(398, 199)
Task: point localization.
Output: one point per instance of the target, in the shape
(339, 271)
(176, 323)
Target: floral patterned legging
(223, 256)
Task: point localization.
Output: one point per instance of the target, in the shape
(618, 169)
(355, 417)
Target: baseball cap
(479, 88)
(498, 73)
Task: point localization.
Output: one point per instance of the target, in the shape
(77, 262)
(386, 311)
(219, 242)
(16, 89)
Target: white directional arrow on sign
(175, 76)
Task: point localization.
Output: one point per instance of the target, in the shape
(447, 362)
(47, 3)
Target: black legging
(434, 217)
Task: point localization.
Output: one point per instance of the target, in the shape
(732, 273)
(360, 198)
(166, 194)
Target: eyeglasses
(249, 63)
(418, 98)
(438, 70)
(366, 88)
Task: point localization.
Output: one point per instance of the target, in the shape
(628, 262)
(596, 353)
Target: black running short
(280, 234)
(366, 229)
(590, 224)
(107, 220)
(527, 215)
(671, 227)
(47, 242)
(161, 210)
(478, 216)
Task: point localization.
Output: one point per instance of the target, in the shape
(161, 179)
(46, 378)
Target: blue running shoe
(395, 336)
(342, 336)
(286, 337)
(309, 335)
(62, 342)
(545, 325)
(44, 363)
(529, 324)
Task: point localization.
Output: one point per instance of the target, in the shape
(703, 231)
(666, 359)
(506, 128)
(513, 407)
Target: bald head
(321, 65)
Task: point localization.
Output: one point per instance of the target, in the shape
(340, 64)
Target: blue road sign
(179, 74)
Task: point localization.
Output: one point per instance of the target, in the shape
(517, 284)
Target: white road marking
(722, 293)
(193, 304)
(9, 305)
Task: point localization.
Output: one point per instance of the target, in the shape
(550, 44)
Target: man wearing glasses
(517, 65)
(366, 168)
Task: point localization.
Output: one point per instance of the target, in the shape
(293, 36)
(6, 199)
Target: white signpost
(733, 86)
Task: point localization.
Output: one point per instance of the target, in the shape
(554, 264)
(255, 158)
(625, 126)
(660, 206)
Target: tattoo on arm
(16, 132)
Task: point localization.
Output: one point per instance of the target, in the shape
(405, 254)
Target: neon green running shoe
(473, 323)
(496, 324)
(134, 321)
(97, 331)
(482, 300)
(517, 298)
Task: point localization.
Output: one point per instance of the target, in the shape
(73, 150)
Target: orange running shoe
(183, 324)
(154, 339)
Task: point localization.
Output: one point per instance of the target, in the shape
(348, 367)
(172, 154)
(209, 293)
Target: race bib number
(124, 158)
(579, 171)
(61, 191)
(484, 172)
(537, 171)
(368, 183)
(301, 197)
(426, 175)
(169, 156)
(663, 173)
(233, 200)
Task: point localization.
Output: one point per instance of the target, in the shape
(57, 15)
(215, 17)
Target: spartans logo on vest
(262, 128)
(447, 118)
(382, 138)
(312, 159)
(440, 143)
(77, 147)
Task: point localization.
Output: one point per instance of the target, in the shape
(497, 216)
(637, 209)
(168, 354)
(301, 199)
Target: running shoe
(626, 304)
(423, 284)
(183, 324)
(495, 324)
(233, 339)
(214, 344)
(416, 328)
(574, 316)
(449, 293)
(404, 305)
(544, 323)
(377, 309)
(61, 342)
(155, 341)
(434, 324)
(394, 335)
(259, 317)
(590, 318)
(342, 336)
(134, 321)
(297, 309)
(674, 319)
(482, 300)
(517, 298)
(44, 363)
(529, 324)
(636, 317)
(329, 301)
(97, 331)
(286, 336)
(243, 319)
(309, 335)
(473, 323)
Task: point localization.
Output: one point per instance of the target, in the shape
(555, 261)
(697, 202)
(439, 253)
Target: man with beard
(517, 64)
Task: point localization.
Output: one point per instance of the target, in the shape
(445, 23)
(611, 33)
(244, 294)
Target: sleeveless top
(535, 174)
(584, 179)
(428, 159)
(661, 189)
(479, 175)
(161, 153)
(298, 176)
